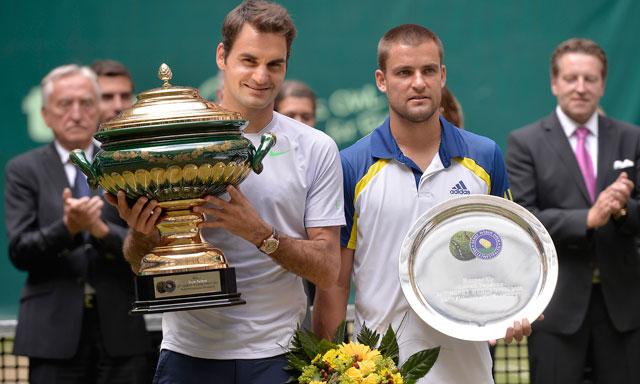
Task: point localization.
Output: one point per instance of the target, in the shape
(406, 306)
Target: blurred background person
(297, 101)
(451, 109)
(563, 169)
(73, 321)
(116, 88)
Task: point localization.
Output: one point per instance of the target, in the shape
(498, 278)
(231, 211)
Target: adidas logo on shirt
(459, 189)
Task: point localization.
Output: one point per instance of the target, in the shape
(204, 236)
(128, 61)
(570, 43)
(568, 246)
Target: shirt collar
(384, 145)
(270, 127)
(64, 153)
(569, 126)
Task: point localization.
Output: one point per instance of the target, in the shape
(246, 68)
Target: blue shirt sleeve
(349, 180)
(499, 178)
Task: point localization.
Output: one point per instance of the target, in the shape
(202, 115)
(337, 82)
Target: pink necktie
(585, 163)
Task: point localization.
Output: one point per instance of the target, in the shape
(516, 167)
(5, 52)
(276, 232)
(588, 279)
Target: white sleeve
(324, 205)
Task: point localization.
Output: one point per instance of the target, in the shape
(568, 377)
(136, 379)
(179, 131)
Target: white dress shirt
(569, 126)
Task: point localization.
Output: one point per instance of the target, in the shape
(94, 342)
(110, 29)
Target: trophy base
(186, 291)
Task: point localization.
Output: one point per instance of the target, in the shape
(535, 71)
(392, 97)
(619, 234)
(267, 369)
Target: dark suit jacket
(545, 179)
(51, 303)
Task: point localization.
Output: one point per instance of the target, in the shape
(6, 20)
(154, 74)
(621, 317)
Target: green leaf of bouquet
(418, 365)
(339, 335)
(324, 345)
(296, 363)
(296, 345)
(389, 345)
(368, 337)
(308, 343)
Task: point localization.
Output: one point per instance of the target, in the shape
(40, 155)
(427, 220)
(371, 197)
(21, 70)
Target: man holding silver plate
(406, 166)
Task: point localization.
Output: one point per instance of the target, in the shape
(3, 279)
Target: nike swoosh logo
(278, 153)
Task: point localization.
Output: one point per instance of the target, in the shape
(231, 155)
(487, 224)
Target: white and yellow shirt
(385, 193)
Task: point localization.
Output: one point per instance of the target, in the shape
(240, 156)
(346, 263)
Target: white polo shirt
(300, 187)
(385, 193)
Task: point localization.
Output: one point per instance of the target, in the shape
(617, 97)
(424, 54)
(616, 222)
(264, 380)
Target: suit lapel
(607, 142)
(54, 169)
(559, 143)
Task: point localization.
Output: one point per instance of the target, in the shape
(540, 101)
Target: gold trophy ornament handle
(78, 158)
(165, 74)
(268, 140)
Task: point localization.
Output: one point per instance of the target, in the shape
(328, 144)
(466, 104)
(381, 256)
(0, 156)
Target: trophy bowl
(175, 147)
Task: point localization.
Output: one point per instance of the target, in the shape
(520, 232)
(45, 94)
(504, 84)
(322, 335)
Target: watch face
(270, 245)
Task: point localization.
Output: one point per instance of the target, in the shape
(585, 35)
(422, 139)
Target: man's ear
(554, 89)
(381, 82)
(220, 59)
(44, 112)
(443, 76)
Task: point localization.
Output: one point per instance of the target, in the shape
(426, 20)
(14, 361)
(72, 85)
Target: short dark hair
(410, 34)
(294, 88)
(111, 68)
(578, 45)
(264, 16)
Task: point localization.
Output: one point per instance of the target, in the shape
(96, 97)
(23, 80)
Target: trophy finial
(165, 74)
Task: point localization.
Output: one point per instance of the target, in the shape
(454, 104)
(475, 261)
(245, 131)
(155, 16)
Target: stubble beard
(414, 117)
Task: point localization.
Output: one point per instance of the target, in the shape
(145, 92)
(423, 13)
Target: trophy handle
(78, 158)
(268, 140)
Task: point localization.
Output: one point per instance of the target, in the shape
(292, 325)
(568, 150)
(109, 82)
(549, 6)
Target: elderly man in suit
(576, 171)
(73, 321)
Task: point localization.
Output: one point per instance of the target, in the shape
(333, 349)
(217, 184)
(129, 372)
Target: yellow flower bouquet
(320, 361)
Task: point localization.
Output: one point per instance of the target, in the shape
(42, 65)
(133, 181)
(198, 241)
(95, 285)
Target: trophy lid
(170, 105)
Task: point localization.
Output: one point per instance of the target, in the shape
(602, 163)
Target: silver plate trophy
(471, 266)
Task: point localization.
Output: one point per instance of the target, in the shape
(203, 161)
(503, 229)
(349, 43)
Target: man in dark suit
(73, 321)
(575, 170)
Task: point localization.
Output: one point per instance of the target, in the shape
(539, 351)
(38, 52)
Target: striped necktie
(584, 162)
(80, 186)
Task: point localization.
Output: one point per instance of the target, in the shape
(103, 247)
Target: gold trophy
(176, 147)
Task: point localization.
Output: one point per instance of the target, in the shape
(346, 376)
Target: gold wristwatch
(271, 243)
